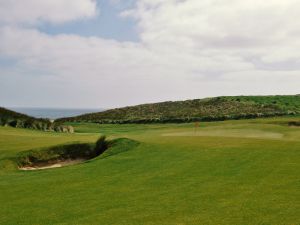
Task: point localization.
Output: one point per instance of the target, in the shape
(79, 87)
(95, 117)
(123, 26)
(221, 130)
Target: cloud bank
(187, 49)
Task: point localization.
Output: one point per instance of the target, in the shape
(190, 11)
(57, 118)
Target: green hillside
(9, 114)
(208, 109)
(19, 120)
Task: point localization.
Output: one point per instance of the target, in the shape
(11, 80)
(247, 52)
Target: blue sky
(112, 53)
(108, 24)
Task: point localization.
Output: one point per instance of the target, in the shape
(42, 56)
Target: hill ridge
(206, 109)
(19, 120)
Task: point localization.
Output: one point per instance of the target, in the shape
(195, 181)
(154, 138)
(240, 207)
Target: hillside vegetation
(208, 109)
(19, 120)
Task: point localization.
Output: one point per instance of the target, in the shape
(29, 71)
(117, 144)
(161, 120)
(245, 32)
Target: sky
(113, 53)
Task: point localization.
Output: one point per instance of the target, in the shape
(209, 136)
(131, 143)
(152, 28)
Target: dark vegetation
(209, 109)
(101, 145)
(294, 123)
(85, 151)
(14, 119)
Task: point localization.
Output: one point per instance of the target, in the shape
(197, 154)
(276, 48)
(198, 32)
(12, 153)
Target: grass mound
(119, 145)
(83, 151)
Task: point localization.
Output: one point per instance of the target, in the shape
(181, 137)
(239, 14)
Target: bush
(101, 145)
(13, 123)
(294, 123)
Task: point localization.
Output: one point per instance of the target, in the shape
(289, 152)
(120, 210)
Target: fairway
(149, 112)
(243, 172)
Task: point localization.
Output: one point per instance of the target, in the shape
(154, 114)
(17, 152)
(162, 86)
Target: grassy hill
(6, 114)
(19, 120)
(208, 109)
(12, 118)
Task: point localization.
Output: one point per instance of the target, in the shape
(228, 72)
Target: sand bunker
(53, 165)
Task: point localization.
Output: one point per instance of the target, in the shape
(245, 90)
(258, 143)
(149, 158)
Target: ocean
(53, 113)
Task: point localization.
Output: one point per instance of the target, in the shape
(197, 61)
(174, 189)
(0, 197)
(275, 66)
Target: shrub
(294, 123)
(101, 145)
(13, 123)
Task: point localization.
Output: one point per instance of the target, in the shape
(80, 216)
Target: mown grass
(217, 174)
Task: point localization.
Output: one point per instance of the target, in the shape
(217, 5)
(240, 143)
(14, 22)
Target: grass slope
(221, 173)
(210, 109)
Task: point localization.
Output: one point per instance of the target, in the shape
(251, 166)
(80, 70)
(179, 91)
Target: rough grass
(164, 180)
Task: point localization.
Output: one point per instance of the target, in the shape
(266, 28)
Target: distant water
(53, 113)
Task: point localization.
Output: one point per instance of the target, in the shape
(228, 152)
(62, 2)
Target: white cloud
(53, 11)
(187, 49)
